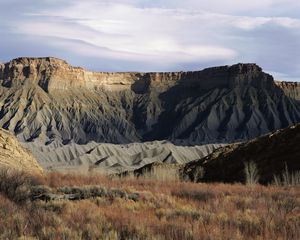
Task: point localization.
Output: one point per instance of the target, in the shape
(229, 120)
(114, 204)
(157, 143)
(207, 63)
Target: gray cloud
(164, 35)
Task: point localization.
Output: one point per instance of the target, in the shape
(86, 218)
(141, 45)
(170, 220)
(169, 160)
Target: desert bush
(251, 173)
(287, 178)
(198, 174)
(288, 204)
(97, 191)
(199, 195)
(133, 196)
(117, 193)
(171, 231)
(185, 213)
(56, 180)
(162, 210)
(248, 224)
(53, 206)
(163, 173)
(37, 191)
(16, 185)
(77, 192)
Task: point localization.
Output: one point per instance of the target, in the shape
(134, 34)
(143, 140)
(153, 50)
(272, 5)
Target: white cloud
(166, 34)
(137, 34)
(248, 23)
(150, 34)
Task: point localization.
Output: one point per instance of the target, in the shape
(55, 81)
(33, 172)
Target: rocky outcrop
(13, 155)
(54, 74)
(272, 154)
(291, 89)
(51, 74)
(48, 101)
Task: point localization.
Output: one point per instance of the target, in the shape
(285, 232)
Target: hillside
(114, 158)
(13, 155)
(66, 114)
(47, 100)
(271, 154)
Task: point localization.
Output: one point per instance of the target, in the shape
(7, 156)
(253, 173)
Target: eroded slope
(13, 155)
(45, 100)
(113, 158)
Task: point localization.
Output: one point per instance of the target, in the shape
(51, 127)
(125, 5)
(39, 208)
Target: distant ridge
(49, 101)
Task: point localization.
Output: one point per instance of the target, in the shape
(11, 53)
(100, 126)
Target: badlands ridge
(72, 118)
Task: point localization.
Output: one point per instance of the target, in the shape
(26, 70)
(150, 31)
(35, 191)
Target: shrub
(16, 185)
(54, 206)
(287, 178)
(39, 190)
(199, 195)
(198, 174)
(163, 210)
(163, 173)
(251, 173)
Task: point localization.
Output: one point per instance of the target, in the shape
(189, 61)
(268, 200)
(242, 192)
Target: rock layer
(291, 89)
(45, 100)
(53, 74)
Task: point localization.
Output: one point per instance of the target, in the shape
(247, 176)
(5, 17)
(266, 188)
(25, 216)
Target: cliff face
(49, 101)
(291, 89)
(54, 74)
(51, 74)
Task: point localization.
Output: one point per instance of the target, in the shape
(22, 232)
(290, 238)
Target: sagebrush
(163, 210)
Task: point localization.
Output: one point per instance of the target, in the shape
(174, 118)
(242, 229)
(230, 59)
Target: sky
(155, 35)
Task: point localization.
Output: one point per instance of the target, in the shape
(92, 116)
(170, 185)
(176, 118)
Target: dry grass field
(130, 208)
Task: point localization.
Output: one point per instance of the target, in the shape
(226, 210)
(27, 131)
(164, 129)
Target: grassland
(161, 209)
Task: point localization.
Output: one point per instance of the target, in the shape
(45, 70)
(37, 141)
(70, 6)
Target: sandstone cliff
(49, 101)
(54, 74)
(291, 89)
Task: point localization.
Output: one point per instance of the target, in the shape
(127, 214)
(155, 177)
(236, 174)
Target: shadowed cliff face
(49, 101)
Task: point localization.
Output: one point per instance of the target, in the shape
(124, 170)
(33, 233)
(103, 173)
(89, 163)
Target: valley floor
(129, 208)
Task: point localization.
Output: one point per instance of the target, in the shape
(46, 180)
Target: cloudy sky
(155, 35)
